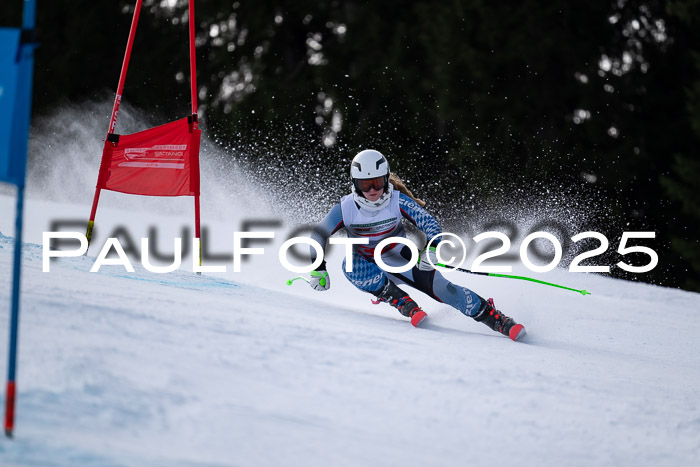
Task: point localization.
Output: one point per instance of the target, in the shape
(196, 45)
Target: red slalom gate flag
(160, 161)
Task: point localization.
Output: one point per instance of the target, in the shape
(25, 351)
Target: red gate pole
(115, 112)
(193, 84)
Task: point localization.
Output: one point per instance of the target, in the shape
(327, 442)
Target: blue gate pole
(18, 149)
(29, 15)
(14, 317)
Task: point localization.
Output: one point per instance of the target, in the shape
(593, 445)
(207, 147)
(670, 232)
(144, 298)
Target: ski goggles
(378, 183)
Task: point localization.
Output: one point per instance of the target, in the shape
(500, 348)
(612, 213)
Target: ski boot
(400, 300)
(496, 320)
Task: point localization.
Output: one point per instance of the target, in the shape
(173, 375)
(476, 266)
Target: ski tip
(418, 317)
(585, 292)
(517, 332)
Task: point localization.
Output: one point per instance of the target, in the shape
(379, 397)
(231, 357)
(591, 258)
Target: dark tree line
(604, 95)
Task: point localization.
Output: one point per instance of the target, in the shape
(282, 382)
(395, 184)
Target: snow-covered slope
(240, 369)
(120, 368)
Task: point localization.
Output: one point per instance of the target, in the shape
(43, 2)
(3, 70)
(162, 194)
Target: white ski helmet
(370, 164)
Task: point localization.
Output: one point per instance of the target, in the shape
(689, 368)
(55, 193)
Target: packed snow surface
(145, 369)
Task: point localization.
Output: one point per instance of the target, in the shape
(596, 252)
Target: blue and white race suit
(366, 275)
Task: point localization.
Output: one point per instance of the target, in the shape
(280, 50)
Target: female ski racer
(374, 210)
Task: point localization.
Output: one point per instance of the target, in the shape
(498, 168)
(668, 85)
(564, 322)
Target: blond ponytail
(401, 186)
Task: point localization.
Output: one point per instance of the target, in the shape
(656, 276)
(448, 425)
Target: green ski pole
(290, 281)
(582, 292)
